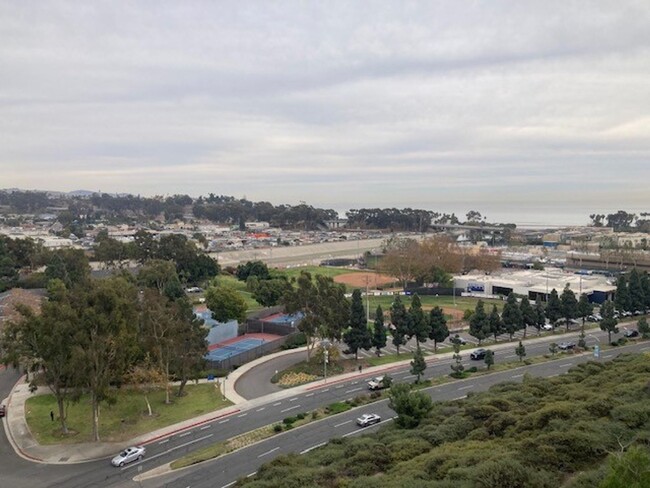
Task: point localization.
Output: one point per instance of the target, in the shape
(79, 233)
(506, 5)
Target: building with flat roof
(533, 283)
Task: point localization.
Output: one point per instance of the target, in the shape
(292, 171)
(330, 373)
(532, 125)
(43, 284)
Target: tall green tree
(324, 307)
(269, 293)
(489, 358)
(457, 366)
(629, 469)
(553, 308)
(68, 265)
(635, 288)
(609, 322)
(226, 304)
(410, 406)
(528, 314)
(622, 299)
(161, 275)
(645, 286)
(479, 325)
(105, 342)
(418, 322)
(400, 320)
(569, 305)
(585, 309)
(643, 327)
(540, 315)
(520, 351)
(496, 325)
(438, 331)
(47, 340)
(379, 331)
(511, 316)
(418, 365)
(357, 336)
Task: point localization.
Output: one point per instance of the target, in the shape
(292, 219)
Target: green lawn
(126, 419)
(240, 286)
(430, 301)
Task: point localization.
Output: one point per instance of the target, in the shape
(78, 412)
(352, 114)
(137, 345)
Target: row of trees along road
(93, 337)
(328, 314)
(632, 294)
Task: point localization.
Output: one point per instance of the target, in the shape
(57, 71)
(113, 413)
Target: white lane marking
(343, 423)
(517, 375)
(268, 452)
(326, 389)
(251, 475)
(290, 408)
(340, 386)
(355, 382)
(163, 442)
(224, 421)
(242, 415)
(511, 356)
(260, 409)
(457, 398)
(293, 399)
(409, 377)
(205, 427)
(180, 446)
(185, 433)
(229, 484)
(565, 365)
(353, 389)
(359, 431)
(466, 387)
(276, 404)
(305, 451)
(608, 356)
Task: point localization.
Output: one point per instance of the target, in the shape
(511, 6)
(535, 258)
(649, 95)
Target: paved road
(223, 472)
(257, 381)
(259, 413)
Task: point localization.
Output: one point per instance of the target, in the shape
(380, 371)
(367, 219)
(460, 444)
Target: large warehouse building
(533, 283)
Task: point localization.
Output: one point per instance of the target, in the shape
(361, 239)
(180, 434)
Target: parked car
(478, 354)
(631, 333)
(3, 410)
(368, 419)
(566, 346)
(128, 455)
(458, 339)
(594, 318)
(379, 383)
(547, 327)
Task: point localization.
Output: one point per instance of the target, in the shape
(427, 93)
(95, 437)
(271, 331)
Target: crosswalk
(445, 346)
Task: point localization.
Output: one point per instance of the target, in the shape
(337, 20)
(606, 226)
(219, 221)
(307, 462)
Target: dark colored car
(458, 339)
(478, 354)
(3, 410)
(631, 333)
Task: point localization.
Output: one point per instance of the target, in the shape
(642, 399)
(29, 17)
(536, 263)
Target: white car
(368, 419)
(128, 455)
(547, 327)
(377, 383)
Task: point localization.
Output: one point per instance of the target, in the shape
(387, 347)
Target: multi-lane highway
(269, 409)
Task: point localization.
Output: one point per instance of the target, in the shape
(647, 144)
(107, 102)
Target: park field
(125, 419)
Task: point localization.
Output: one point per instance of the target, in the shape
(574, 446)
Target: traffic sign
(596, 351)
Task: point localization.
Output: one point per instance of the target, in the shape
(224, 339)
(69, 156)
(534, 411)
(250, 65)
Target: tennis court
(225, 351)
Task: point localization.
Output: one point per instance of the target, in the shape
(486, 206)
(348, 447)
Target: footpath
(26, 446)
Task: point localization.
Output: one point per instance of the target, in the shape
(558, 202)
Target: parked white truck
(379, 383)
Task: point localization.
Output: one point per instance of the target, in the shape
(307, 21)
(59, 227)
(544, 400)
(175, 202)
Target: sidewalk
(26, 446)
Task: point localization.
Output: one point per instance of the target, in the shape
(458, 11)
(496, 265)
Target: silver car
(128, 455)
(368, 419)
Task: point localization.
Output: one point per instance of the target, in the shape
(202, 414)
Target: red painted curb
(169, 434)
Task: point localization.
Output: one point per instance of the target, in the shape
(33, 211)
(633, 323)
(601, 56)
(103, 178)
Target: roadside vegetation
(583, 429)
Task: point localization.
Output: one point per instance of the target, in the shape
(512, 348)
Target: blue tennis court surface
(225, 351)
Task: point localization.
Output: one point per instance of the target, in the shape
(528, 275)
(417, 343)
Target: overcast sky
(501, 106)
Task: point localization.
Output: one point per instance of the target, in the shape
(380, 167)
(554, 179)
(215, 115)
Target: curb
(10, 436)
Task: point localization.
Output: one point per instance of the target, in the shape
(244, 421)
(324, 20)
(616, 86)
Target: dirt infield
(373, 280)
(454, 312)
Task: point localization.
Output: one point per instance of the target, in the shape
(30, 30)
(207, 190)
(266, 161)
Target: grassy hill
(544, 433)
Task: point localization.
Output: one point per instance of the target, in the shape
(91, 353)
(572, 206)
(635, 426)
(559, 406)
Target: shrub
(300, 416)
(288, 420)
(277, 428)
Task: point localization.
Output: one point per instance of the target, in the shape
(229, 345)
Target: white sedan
(368, 419)
(128, 455)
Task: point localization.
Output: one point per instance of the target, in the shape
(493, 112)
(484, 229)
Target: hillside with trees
(587, 428)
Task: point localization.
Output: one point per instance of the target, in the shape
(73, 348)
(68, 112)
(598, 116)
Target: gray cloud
(500, 105)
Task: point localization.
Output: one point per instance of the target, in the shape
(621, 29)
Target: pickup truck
(379, 383)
